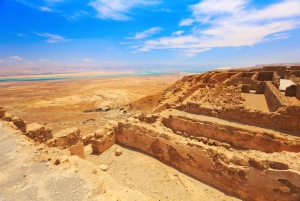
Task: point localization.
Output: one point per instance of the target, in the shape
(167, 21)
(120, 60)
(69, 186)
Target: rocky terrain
(238, 131)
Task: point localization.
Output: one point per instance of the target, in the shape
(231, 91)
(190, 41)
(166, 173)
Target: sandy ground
(60, 104)
(153, 178)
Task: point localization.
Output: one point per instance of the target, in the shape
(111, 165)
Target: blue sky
(148, 34)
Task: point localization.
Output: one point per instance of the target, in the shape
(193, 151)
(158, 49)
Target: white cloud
(146, 33)
(51, 38)
(21, 35)
(87, 59)
(186, 22)
(46, 9)
(230, 23)
(16, 57)
(178, 32)
(118, 9)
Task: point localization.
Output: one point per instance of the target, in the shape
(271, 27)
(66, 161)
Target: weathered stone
(118, 152)
(103, 167)
(38, 132)
(77, 149)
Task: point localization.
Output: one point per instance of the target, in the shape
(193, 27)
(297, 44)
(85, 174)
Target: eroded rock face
(38, 132)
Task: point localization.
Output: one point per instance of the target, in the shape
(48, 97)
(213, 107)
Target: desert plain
(219, 135)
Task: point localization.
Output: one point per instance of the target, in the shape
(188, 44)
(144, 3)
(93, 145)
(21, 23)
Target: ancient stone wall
(247, 176)
(285, 120)
(295, 79)
(281, 70)
(295, 73)
(265, 76)
(266, 141)
(298, 92)
(218, 77)
(260, 87)
(275, 99)
(244, 80)
(291, 90)
(276, 80)
(294, 68)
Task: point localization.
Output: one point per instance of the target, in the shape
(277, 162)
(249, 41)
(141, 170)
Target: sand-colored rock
(77, 150)
(118, 152)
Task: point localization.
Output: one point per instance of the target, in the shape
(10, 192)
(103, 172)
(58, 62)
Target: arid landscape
(220, 135)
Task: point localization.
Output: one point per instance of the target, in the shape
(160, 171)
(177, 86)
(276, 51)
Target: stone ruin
(202, 127)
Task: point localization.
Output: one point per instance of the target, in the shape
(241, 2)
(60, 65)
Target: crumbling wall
(218, 77)
(281, 70)
(275, 99)
(298, 92)
(244, 78)
(295, 79)
(291, 90)
(265, 76)
(294, 68)
(104, 137)
(288, 119)
(276, 80)
(260, 87)
(232, 172)
(295, 73)
(239, 137)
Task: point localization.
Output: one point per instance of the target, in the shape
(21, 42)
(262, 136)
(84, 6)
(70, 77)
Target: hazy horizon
(49, 35)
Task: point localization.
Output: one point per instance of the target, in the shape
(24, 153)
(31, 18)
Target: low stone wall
(276, 80)
(218, 77)
(275, 99)
(286, 120)
(281, 70)
(266, 141)
(295, 79)
(241, 174)
(244, 80)
(294, 68)
(265, 76)
(295, 73)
